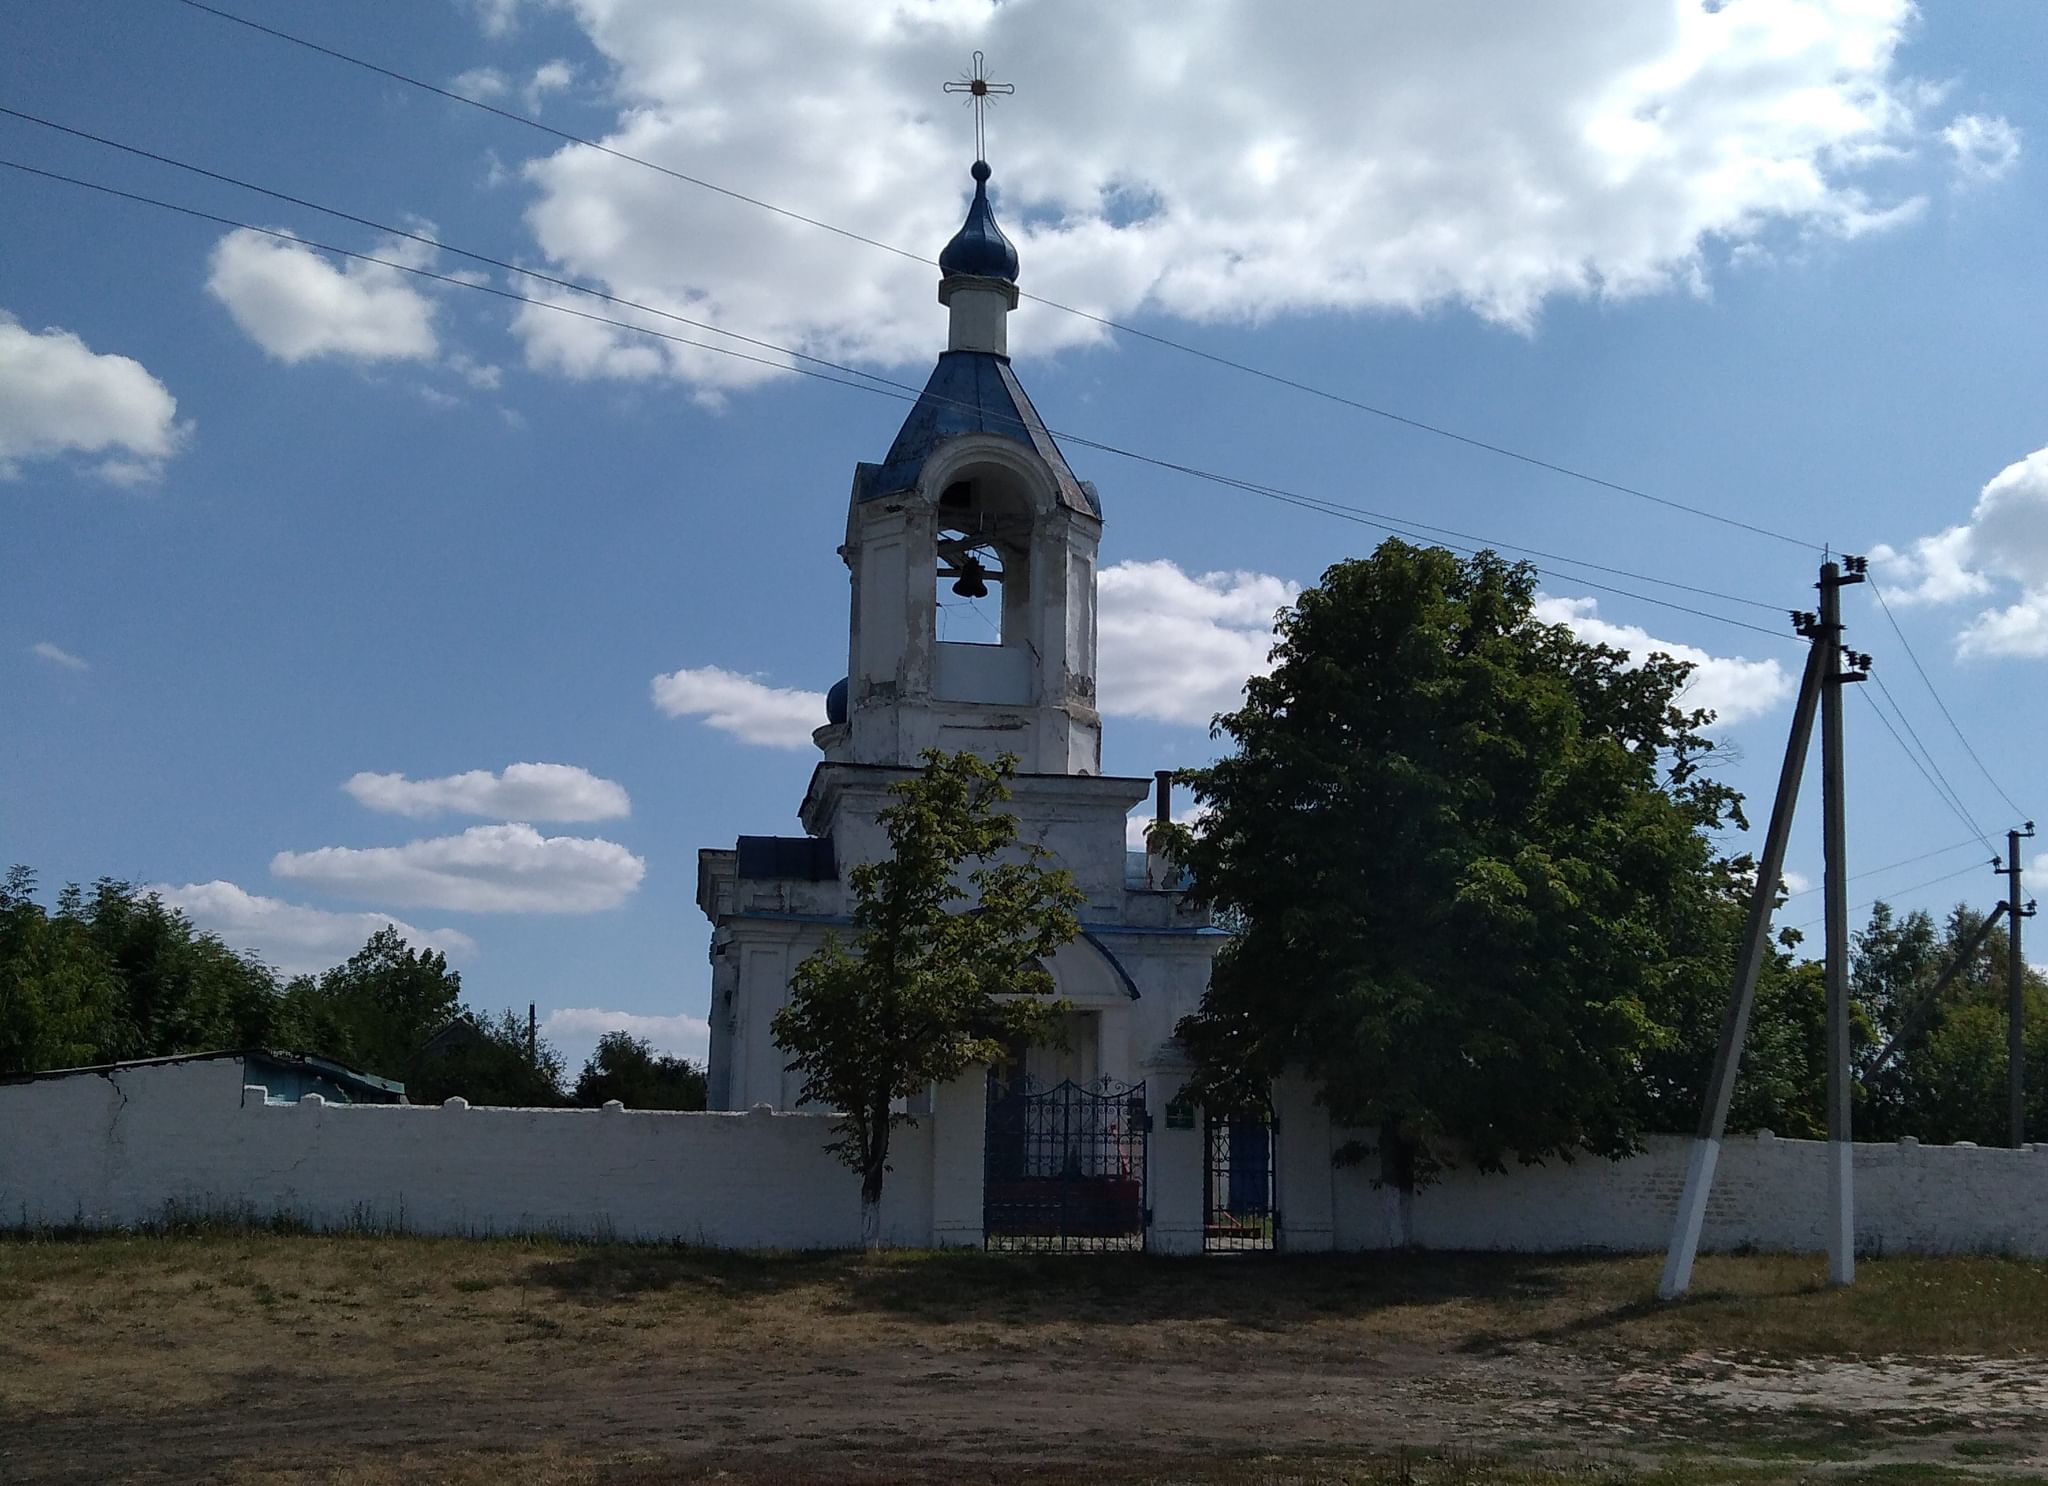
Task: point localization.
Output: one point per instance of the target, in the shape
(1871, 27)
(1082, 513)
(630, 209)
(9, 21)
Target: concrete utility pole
(1835, 879)
(2015, 992)
(1770, 871)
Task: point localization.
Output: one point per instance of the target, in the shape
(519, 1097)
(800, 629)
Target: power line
(1946, 798)
(1902, 892)
(1939, 851)
(610, 298)
(1925, 752)
(1214, 358)
(1928, 682)
(881, 385)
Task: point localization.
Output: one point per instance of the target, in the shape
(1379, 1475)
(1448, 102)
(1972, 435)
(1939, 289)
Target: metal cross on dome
(980, 93)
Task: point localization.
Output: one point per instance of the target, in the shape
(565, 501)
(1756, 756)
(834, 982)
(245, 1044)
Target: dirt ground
(248, 1358)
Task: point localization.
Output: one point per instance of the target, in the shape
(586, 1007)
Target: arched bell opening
(984, 520)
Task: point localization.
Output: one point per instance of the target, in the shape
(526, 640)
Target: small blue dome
(835, 702)
(979, 247)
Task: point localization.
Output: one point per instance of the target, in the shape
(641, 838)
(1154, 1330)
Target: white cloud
(498, 18)
(549, 77)
(778, 716)
(57, 655)
(522, 792)
(297, 305)
(576, 1029)
(486, 869)
(1177, 647)
(1795, 883)
(1733, 688)
(59, 396)
(290, 936)
(1984, 148)
(1205, 162)
(480, 83)
(2005, 540)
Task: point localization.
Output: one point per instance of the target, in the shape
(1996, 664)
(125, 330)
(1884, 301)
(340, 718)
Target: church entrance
(1064, 1166)
(1239, 1214)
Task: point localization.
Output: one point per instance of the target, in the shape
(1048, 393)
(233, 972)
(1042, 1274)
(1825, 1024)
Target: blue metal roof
(979, 247)
(971, 392)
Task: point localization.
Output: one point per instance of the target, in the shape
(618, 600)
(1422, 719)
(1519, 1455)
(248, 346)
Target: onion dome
(835, 702)
(979, 249)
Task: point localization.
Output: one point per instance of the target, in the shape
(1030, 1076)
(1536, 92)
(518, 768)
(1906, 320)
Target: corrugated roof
(971, 392)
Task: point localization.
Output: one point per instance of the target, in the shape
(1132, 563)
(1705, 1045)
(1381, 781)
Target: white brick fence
(131, 1146)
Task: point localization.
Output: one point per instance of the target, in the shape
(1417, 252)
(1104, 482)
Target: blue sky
(276, 523)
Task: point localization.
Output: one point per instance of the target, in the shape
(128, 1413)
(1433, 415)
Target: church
(973, 500)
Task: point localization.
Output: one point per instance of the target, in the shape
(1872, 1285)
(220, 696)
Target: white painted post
(959, 1137)
(1173, 1161)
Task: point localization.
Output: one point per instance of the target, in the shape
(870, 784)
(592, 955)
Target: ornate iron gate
(1237, 1190)
(1064, 1167)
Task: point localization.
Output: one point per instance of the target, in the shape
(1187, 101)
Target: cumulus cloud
(752, 711)
(521, 792)
(486, 869)
(57, 655)
(549, 77)
(576, 1029)
(1733, 688)
(297, 305)
(2005, 541)
(1207, 163)
(291, 936)
(1984, 148)
(59, 396)
(1177, 647)
(480, 83)
(498, 18)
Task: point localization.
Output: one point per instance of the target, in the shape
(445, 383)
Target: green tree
(60, 998)
(1470, 857)
(375, 1011)
(184, 991)
(1947, 1080)
(485, 1060)
(945, 967)
(628, 1069)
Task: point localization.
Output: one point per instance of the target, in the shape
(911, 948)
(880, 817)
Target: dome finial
(979, 249)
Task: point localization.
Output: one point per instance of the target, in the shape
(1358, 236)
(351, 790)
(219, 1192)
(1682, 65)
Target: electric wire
(1246, 368)
(1947, 785)
(1901, 893)
(1928, 682)
(1955, 808)
(903, 392)
(1939, 851)
(624, 303)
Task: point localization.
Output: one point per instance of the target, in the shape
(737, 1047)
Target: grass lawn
(252, 1356)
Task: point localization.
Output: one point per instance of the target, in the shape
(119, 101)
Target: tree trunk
(871, 1180)
(1397, 1185)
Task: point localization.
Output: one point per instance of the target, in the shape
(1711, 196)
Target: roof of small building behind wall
(362, 1088)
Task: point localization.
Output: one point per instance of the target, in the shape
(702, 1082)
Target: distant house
(285, 1077)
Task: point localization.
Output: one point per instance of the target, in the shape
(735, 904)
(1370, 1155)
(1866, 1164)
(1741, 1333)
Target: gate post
(959, 1128)
(1175, 1166)
(1302, 1176)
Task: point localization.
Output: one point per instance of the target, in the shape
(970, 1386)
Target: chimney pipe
(1163, 795)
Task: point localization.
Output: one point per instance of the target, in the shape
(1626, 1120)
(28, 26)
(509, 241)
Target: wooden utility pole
(2015, 993)
(1763, 897)
(1835, 880)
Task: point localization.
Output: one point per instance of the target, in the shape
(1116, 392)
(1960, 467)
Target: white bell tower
(973, 499)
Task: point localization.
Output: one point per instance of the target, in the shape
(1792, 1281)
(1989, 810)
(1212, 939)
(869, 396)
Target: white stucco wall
(1768, 1194)
(127, 1147)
